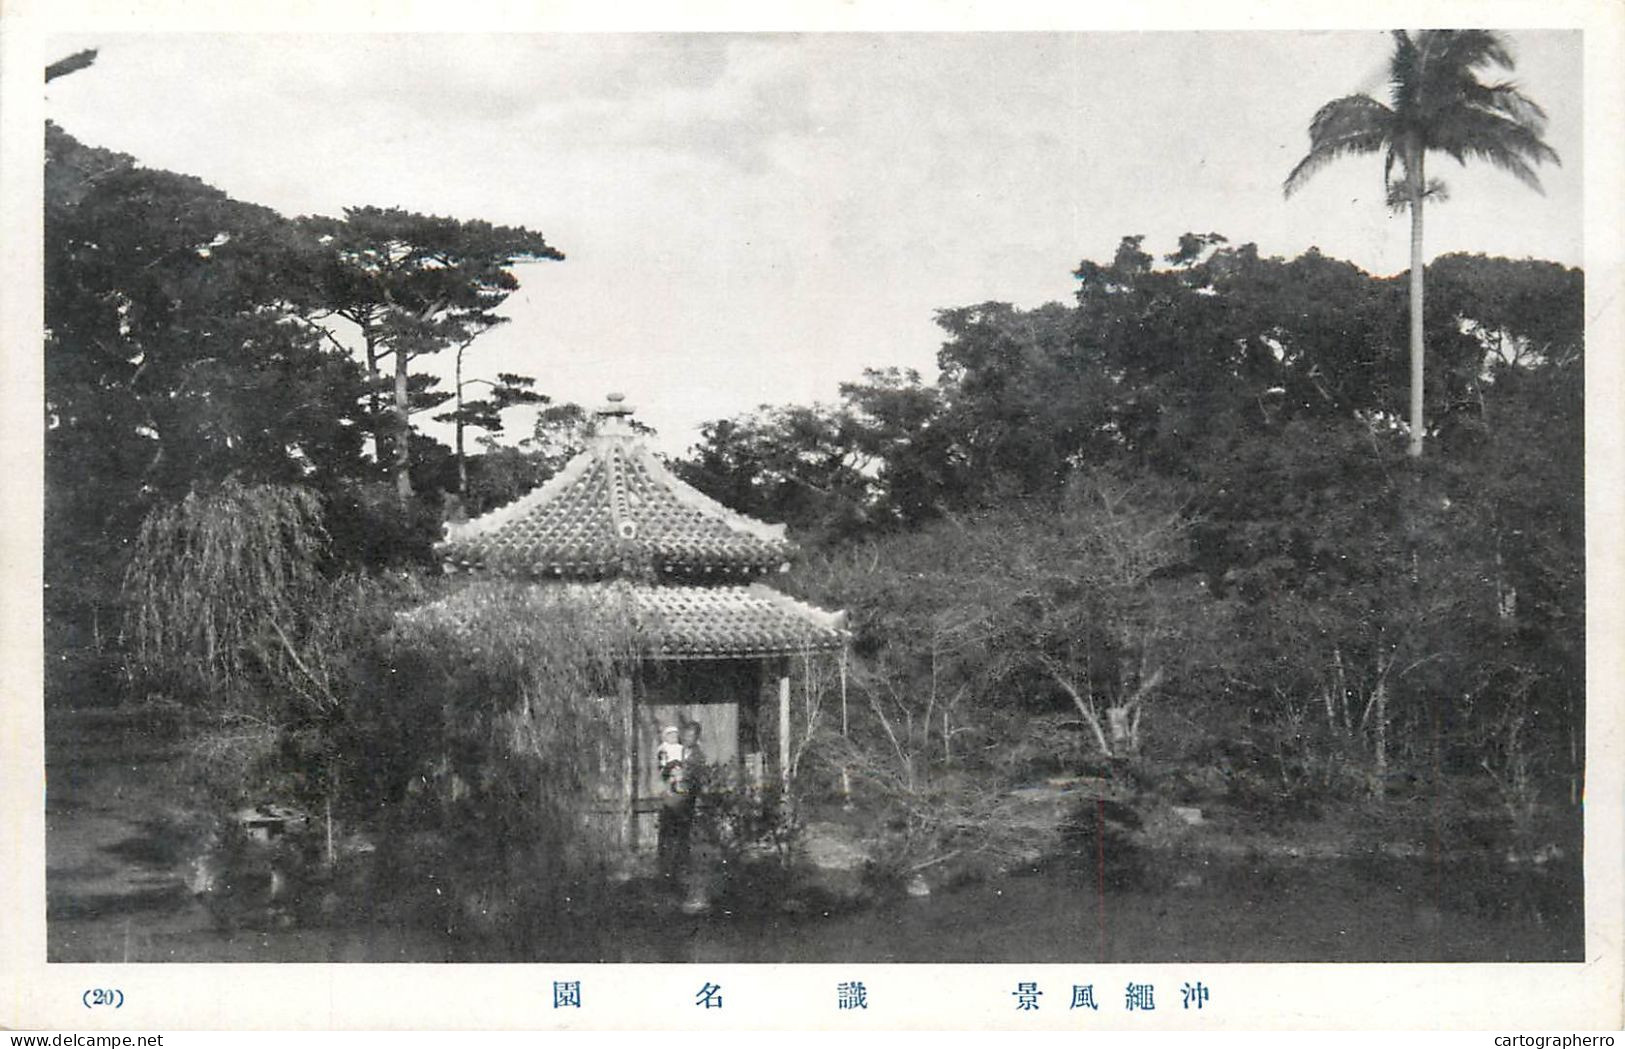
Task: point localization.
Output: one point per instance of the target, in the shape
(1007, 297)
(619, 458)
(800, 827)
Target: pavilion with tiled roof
(615, 521)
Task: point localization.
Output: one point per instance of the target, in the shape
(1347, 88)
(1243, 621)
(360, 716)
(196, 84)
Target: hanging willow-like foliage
(499, 735)
(224, 585)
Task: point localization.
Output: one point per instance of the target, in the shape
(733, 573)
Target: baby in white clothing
(670, 752)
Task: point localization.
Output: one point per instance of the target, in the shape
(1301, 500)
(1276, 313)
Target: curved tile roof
(711, 622)
(615, 510)
(669, 622)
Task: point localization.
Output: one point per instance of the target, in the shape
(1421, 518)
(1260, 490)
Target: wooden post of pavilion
(629, 761)
(784, 724)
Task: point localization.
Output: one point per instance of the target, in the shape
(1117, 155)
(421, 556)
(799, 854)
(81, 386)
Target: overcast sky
(753, 219)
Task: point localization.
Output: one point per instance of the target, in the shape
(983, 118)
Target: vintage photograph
(799, 497)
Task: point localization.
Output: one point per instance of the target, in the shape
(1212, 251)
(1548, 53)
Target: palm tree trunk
(1414, 171)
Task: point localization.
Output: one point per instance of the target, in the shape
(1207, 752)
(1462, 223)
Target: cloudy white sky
(754, 218)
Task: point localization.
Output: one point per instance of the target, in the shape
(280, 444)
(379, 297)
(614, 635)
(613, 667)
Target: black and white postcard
(807, 517)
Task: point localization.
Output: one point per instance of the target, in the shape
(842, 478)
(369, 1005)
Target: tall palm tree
(1436, 103)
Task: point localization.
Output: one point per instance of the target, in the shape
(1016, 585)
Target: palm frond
(1437, 69)
(1512, 163)
(1392, 187)
(1348, 115)
(1354, 124)
(1399, 197)
(1505, 98)
(1502, 142)
(1404, 71)
(1468, 124)
(1472, 49)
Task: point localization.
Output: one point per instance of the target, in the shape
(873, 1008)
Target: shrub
(491, 730)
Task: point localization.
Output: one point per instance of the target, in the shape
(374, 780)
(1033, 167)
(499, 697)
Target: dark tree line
(193, 340)
(1172, 368)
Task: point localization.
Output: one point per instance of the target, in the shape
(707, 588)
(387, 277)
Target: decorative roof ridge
(695, 499)
(614, 456)
(493, 520)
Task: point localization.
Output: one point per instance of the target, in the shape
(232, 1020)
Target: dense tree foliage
(189, 346)
(173, 360)
(415, 285)
(1355, 614)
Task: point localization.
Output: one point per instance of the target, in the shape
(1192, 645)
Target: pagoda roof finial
(614, 418)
